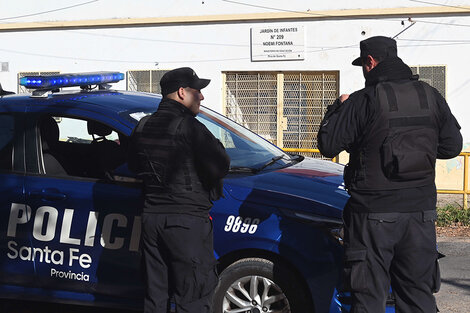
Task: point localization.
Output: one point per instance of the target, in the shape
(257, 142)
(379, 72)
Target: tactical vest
(166, 164)
(399, 149)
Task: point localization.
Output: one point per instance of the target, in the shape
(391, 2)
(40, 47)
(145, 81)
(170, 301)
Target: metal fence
(464, 191)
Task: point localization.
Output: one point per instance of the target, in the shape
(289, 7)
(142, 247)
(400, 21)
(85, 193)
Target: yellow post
(465, 182)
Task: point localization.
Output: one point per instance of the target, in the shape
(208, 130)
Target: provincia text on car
(69, 207)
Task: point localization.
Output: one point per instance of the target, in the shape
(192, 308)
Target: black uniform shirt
(182, 172)
(345, 124)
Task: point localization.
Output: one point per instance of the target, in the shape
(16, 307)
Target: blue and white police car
(69, 207)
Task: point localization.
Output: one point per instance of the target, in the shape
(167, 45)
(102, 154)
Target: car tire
(260, 285)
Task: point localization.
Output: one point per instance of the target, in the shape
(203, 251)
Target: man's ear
(369, 63)
(181, 93)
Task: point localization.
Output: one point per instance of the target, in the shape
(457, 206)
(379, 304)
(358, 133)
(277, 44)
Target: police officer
(394, 129)
(182, 165)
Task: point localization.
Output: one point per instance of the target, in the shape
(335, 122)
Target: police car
(69, 206)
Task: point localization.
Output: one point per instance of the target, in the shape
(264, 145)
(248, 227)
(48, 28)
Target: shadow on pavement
(458, 283)
(21, 306)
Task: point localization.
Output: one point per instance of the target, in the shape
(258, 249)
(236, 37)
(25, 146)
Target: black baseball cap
(378, 46)
(181, 77)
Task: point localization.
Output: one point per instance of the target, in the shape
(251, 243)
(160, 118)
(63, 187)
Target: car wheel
(258, 286)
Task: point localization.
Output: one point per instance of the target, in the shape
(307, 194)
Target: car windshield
(247, 150)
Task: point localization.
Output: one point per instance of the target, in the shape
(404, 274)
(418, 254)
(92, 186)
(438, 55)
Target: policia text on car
(394, 129)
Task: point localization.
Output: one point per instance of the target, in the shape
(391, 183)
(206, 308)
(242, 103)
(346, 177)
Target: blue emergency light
(49, 82)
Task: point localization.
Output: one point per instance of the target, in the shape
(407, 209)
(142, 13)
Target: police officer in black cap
(394, 129)
(182, 166)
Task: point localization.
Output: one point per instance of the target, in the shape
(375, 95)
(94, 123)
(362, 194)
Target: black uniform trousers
(179, 262)
(391, 249)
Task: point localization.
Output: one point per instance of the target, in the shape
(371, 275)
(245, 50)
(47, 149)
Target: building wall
(173, 34)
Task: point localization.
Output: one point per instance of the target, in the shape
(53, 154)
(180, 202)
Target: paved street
(454, 295)
(19, 306)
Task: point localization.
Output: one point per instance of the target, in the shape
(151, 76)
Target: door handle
(49, 194)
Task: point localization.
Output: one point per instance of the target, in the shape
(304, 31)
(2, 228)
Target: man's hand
(343, 97)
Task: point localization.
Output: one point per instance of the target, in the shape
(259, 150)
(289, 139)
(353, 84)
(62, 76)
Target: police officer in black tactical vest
(394, 129)
(182, 166)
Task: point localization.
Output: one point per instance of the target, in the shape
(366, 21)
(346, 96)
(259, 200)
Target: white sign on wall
(277, 43)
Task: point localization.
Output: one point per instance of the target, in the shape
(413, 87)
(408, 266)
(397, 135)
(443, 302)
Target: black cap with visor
(378, 46)
(181, 77)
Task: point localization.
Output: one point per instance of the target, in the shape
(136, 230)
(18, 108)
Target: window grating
(252, 102)
(255, 101)
(145, 80)
(306, 97)
(433, 75)
(4, 67)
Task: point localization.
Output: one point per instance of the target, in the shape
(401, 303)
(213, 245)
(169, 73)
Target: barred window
(145, 80)
(4, 67)
(433, 75)
(285, 108)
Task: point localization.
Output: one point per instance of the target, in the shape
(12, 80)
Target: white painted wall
(211, 49)
(55, 10)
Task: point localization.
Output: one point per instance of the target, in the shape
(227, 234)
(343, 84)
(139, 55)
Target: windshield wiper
(241, 169)
(245, 169)
(297, 157)
(272, 161)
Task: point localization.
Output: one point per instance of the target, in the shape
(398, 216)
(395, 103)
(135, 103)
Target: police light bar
(48, 82)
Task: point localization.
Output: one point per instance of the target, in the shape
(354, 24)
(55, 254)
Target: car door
(16, 267)
(85, 220)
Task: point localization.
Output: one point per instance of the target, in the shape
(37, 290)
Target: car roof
(101, 100)
(91, 104)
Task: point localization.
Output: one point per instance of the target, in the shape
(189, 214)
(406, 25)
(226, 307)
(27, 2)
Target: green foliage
(452, 215)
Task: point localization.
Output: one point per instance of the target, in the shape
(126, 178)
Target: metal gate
(434, 75)
(145, 80)
(286, 108)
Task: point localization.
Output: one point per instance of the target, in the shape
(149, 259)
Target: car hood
(312, 186)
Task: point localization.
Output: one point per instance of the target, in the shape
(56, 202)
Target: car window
(79, 147)
(245, 148)
(7, 131)
(76, 130)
